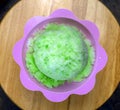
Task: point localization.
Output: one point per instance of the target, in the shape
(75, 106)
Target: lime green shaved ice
(59, 53)
(62, 55)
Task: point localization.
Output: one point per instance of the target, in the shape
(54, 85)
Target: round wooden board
(11, 30)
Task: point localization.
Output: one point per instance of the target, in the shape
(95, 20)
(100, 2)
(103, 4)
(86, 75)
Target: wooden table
(11, 30)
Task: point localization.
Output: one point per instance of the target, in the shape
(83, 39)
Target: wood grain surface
(11, 30)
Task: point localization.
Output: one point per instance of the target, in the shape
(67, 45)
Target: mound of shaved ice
(59, 53)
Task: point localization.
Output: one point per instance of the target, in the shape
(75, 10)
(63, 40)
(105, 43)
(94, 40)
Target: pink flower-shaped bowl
(60, 93)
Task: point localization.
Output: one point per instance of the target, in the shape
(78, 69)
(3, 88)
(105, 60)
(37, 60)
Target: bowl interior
(59, 20)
